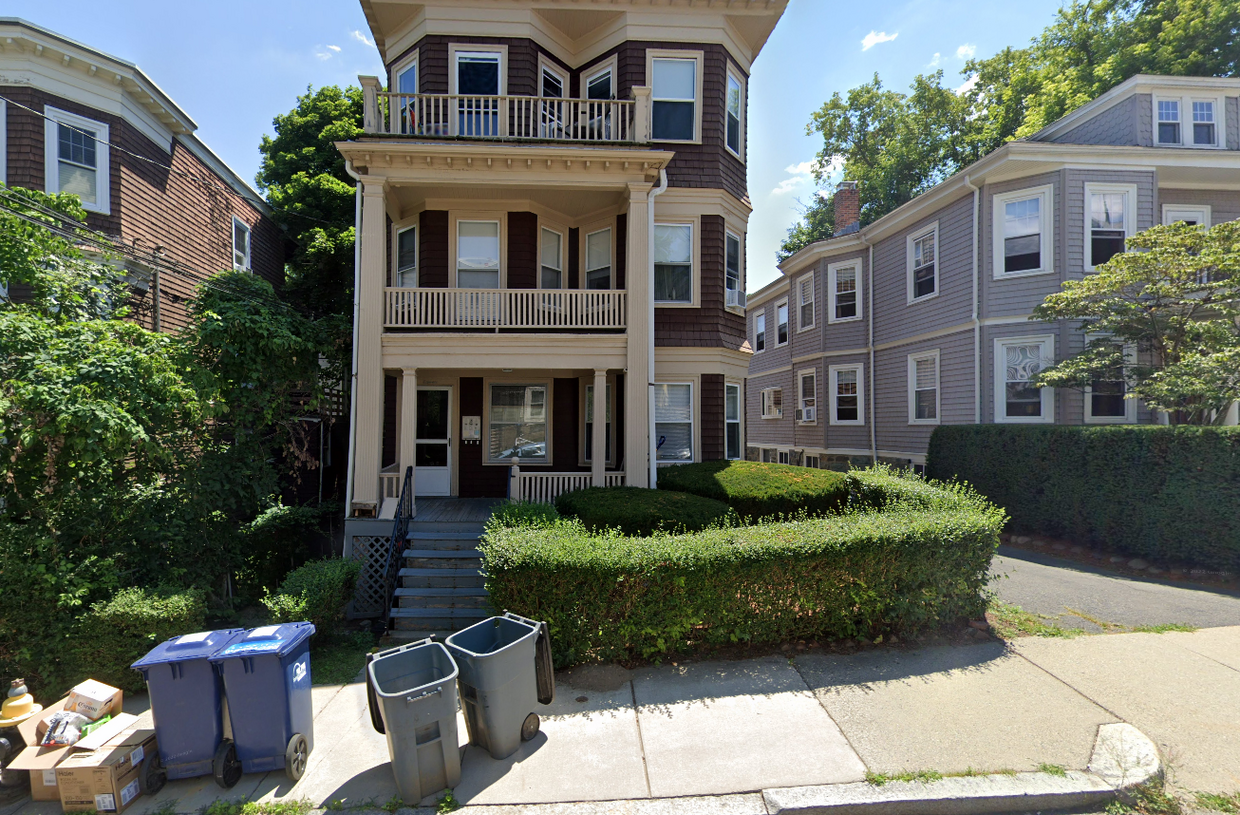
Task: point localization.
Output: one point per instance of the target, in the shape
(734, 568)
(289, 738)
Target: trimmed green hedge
(1171, 493)
(757, 490)
(317, 593)
(918, 562)
(636, 511)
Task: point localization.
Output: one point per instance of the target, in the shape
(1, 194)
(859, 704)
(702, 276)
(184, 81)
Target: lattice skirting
(370, 598)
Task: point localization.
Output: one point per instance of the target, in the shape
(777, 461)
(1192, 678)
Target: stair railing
(396, 546)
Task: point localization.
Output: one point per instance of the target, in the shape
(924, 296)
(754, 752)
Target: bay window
(76, 159)
(673, 422)
(847, 399)
(843, 292)
(477, 254)
(673, 263)
(674, 116)
(736, 103)
(552, 273)
(1022, 229)
(598, 259)
(407, 258)
(732, 421)
(1018, 361)
(479, 79)
(1110, 220)
(735, 295)
(1106, 399)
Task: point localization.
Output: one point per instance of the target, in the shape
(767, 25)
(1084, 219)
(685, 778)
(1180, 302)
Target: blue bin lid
(268, 640)
(188, 646)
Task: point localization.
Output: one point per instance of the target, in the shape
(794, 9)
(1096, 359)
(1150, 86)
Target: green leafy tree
(817, 224)
(1177, 300)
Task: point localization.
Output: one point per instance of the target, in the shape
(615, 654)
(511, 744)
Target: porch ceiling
(571, 203)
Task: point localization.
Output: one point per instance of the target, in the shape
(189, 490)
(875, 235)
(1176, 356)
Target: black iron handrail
(400, 533)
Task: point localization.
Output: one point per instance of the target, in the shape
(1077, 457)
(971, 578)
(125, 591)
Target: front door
(433, 455)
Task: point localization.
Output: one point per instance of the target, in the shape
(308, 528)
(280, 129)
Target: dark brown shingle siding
(712, 418)
(710, 325)
(433, 249)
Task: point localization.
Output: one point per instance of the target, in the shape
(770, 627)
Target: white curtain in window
(673, 414)
(477, 255)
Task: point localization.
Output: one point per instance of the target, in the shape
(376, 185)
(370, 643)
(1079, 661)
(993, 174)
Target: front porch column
(640, 334)
(368, 433)
(409, 426)
(598, 433)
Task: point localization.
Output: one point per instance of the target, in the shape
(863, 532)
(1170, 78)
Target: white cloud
(804, 168)
(324, 53)
(966, 51)
(968, 85)
(334, 48)
(934, 63)
(363, 39)
(875, 37)
(789, 184)
(802, 175)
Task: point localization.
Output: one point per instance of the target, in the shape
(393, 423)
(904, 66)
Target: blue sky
(234, 64)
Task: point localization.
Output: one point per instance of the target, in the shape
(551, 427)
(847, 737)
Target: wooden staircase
(440, 587)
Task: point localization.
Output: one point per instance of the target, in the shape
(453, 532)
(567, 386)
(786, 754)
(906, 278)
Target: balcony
(507, 118)
(505, 309)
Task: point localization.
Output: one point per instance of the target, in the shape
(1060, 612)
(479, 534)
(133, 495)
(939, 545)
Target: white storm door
(433, 452)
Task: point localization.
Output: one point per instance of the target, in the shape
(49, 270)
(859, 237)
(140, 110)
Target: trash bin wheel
(226, 767)
(153, 775)
(529, 728)
(296, 756)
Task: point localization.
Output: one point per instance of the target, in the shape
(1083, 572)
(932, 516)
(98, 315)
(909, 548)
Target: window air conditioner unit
(808, 414)
(736, 298)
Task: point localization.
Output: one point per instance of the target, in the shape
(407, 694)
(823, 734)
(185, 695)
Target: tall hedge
(1171, 493)
(759, 490)
(909, 558)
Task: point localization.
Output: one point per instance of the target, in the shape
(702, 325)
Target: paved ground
(1048, 585)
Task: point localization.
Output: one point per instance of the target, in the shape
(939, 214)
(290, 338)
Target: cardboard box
(92, 699)
(106, 779)
(41, 762)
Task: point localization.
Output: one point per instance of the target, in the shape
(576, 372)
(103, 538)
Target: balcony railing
(516, 118)
(494, 309)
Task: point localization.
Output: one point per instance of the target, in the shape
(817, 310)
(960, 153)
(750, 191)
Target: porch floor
(455, 510)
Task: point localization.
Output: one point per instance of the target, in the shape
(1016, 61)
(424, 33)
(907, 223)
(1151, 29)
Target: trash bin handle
(409, 700)
(513, 616)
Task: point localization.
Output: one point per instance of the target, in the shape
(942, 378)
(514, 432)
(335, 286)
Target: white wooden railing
(558, 309)
(530, 118)
(389, 485)
(543, 488)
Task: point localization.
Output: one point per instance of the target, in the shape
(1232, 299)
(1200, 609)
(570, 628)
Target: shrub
(637, 511)
(1164, 492)
(276, 542)
(316, 592)
(862, 573)
(524, 513)
(757, 490)
(114, 634)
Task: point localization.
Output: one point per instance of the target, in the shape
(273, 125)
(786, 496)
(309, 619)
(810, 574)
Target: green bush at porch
(757, 490)
(908, 557)
(1170, 493)
(637, 511)
(316, 592)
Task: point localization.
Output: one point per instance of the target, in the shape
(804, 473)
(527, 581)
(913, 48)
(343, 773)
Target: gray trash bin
(412, 692)
(505, 672)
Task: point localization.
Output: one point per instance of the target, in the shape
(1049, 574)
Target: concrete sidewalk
(735, 728)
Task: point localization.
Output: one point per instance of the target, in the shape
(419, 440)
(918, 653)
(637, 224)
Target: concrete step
(447, 578)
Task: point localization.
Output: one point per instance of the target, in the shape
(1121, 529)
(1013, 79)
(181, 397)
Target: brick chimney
(847, 208)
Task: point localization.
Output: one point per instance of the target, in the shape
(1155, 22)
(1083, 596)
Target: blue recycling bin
(266, 674)
(187, 701)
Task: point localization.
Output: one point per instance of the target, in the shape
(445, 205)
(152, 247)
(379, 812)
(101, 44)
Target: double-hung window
(759, 332)
(477, 254)
(1188, 121)
(847, 398)
(732, 421)
(552, 273)
(241, 245)
(1191, 214)
(479, 84)
(673, 263)
(1023, 233)
(843, 292)
(407, 257)
(675, 99)
(732, 270)
(736, 105)
(589, 425)
(805, 300)
(1018, 361)
(553, 87)
(923, 388)
(923, 263)
(1204, 130)
(772, 403)
(1110, 220)
(76, 156)
(807, 385)
(781, 323)
(404, 107)
(518, 423)
(673, 422)
(599, 86)
(1169, 121)
(598, 259)
(1106, 399)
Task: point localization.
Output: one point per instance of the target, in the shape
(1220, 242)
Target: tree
(1176, 298)
(817, 224)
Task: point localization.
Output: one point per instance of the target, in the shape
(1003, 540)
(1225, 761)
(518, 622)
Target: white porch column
(368, 433)
(640, 329)
(409, 424)
(598, 433)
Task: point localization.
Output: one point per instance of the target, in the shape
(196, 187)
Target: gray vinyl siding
(894, 317)
(769, 432)
(1117, 125)
(808, 435)
(891, 382)
(847, 336)
(1017, 296)
(1074, 210)
(846, 436)
(1233, 122)
(1224, 204)
(772, 357)
(808, 341)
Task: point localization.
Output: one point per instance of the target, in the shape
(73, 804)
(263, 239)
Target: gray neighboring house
(871, 339)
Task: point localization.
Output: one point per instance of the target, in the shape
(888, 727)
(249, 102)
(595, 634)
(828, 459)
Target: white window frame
(1130, 215)
(653, 54)
(739, 305)
(249, 245)
(813, 301)
(1186, 120)
(51, 157)
(607, 66)
(913, 359)
(555, 229)
(735, 76)
(833, 372)
(694, 266)
(912, 238)
(833, 271)
(1130, 405)
(739, 421)
(586, 233)
(693, 428)
(785, 456)
(767, 402)
(488, 397)
(802, 398)
(1046, 196)
(547, 66)
(760, 317)
(1174, 213)
(454, 248)
(1047, 341)
(399, 68)
(455, 52)
(816, 462)
(784, 305)
(397, 230)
